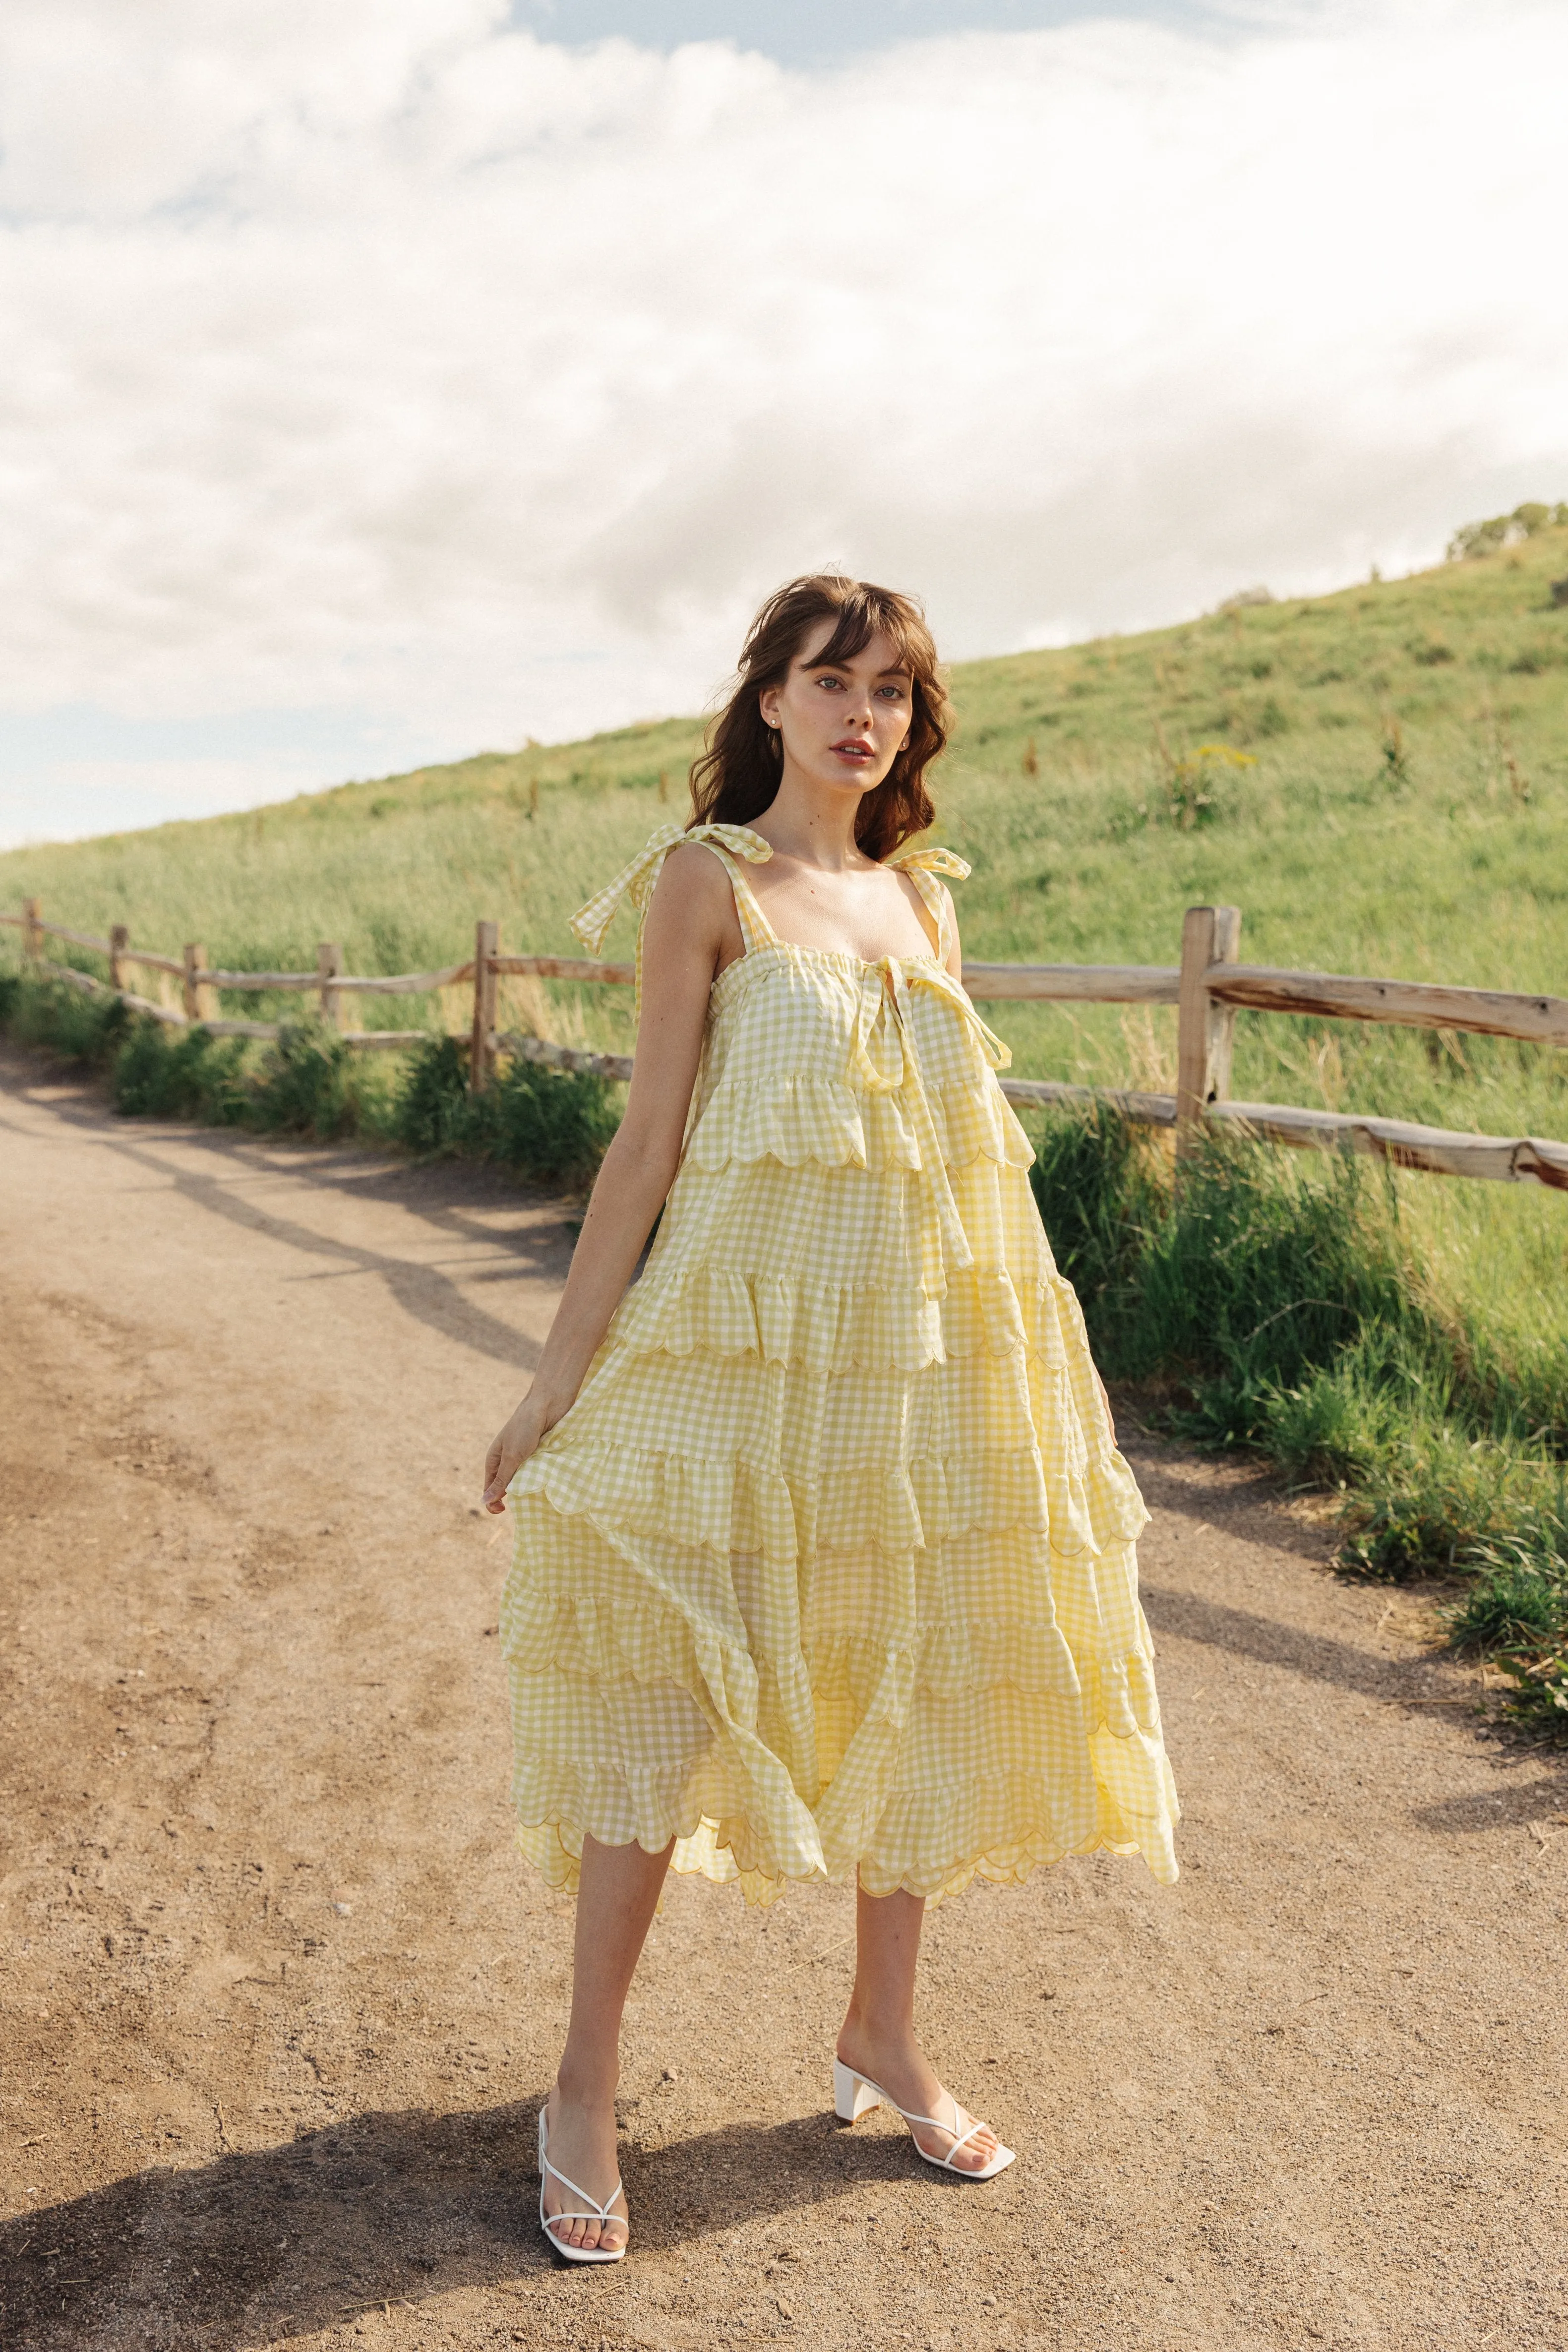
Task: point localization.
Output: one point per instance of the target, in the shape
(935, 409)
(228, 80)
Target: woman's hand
(516, 1442)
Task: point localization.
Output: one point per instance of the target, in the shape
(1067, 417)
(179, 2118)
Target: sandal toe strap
(959, 2139)
(596, 2212)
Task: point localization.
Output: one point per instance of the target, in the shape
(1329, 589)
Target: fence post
(329, 964)
(1210, 935)
(33, 936)
(119, 940)
(481, 1053)
(201, 1000)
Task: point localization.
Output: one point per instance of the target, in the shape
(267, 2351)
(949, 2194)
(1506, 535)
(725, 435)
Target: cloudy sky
(394, 379)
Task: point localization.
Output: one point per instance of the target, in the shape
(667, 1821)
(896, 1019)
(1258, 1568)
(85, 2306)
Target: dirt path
(280, 2003)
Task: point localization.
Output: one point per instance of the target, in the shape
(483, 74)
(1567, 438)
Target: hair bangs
(867, 613)
(737, 774)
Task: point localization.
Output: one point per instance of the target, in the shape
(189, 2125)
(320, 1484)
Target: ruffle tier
(840, 1327)
(798, 1116)
(654, 1641)
(738, 1509)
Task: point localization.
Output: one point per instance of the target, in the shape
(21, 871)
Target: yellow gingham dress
(831, 1562)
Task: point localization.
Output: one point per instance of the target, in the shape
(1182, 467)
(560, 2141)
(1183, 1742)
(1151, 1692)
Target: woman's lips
(852, 751)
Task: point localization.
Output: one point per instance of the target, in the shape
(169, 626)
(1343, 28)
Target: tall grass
(1285, 1306)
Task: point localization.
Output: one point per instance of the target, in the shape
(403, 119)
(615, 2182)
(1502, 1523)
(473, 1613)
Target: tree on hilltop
(1505, 531)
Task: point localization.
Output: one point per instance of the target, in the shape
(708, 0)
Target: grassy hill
(1385, 788)
(1378, 779)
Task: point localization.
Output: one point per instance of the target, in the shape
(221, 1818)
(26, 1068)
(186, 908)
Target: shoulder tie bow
(933, 861)
(636, 881)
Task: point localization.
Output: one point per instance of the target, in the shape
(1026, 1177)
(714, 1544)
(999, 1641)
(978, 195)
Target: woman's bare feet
(898, 2064)
(582, 2146)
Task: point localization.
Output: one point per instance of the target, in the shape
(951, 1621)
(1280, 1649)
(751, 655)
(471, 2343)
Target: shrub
(310, 1083)
(183, 1074)
(551, 1126)
(430, 1112)
(68, 1023)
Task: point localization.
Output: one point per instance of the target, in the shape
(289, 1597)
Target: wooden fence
(1208, 987)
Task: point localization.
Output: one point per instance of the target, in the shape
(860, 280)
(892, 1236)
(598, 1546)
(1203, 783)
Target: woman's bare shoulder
(692, 897)
(693, 881)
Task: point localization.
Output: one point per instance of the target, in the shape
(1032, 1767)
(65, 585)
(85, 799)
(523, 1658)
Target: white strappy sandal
(592, 2213)
(854, 2095)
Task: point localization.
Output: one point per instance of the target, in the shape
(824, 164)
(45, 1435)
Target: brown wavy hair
(737, 775)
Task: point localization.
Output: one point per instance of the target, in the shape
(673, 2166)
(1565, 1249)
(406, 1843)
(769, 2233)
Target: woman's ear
(768, 704)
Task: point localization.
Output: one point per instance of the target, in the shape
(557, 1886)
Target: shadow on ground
(455, 1198)
(1242, 1496)
(387, 2208)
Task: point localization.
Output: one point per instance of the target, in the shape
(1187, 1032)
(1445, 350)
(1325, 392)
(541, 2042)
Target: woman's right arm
(691, 926)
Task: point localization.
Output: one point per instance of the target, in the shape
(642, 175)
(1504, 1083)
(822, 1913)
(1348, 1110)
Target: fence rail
(1207, 987)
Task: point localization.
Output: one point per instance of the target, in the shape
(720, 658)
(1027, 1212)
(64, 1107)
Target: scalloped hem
(704, 1851)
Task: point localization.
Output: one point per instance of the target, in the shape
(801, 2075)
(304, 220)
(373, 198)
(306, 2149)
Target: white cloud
(381, 358)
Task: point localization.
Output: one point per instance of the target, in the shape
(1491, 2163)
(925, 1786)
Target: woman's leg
(878, 2034)
(615, 1902)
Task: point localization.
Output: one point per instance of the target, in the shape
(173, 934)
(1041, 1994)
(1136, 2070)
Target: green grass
(1284, 1305)
(1378, 779)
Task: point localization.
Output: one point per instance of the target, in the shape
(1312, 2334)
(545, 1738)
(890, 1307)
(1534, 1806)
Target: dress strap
(923, 866)
(755, 928)
(636, 882)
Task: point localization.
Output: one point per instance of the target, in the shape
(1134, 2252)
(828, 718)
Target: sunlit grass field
(1378, 779)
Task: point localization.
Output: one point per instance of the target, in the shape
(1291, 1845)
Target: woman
(824, 1560)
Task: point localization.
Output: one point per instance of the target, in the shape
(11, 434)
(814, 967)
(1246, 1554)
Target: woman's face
(843, 723)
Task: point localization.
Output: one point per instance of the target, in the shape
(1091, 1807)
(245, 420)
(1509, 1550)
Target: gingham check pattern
(831, 1565)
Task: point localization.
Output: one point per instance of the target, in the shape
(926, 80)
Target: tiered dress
(831, 1565)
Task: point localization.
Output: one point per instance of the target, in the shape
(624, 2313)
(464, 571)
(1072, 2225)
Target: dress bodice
(811, 1054)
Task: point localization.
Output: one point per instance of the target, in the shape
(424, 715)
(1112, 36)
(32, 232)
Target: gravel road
(279, 2003)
